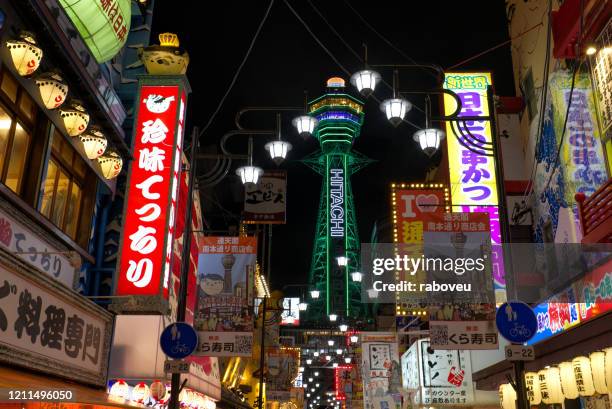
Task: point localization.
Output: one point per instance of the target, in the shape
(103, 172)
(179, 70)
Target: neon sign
(336, 206)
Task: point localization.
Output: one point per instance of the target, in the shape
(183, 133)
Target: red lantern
(140, 393)
(158, 390)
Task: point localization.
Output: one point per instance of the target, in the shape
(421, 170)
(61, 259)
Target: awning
(85, 396)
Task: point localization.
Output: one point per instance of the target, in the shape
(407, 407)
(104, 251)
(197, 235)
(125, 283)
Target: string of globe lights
(26, 56)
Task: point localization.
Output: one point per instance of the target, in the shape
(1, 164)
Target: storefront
(61, 145)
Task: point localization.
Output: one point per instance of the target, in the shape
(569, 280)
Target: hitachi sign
(336, 196)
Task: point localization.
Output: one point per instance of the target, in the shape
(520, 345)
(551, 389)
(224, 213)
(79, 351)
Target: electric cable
(331, 55)
(237, 73)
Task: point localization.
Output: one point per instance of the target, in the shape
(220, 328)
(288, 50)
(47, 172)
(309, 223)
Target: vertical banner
(150, 209)
(381, 372)
(413, 205)
(266, 202)
(472, 175)
(462, 320)
(223, 318)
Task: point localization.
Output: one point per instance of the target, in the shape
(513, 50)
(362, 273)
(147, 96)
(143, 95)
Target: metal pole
(262, 355)
(185, 254)
(269, 263)
(519, 382)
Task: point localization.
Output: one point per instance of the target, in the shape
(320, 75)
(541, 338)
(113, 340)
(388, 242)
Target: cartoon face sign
(157, 104)
(212, 284)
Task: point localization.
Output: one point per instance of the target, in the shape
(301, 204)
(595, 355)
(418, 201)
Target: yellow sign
(472, 175)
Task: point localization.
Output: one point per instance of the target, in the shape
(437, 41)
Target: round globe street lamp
(365, 81)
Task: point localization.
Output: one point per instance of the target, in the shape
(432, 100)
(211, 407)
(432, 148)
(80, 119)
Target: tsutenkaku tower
(340, 118)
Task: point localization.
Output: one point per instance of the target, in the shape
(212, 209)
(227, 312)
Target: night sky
(286, 61)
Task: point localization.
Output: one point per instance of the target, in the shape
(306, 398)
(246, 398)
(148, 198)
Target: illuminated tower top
(340, 117)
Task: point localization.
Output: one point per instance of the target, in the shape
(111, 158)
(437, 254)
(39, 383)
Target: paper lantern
(52, 88)
(75, 118)
(25, 53)
(94, 142)
(533, 388)
(568, 380)
(209, 403)
(110, 164)
(598, 371)
(608, 368)
(140, 393)
(507, 396)
(584, 378)
(158, 390)
(103, 26)
(550, 385)
(120, 389)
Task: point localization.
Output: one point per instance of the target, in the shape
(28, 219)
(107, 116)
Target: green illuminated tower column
(340, 118)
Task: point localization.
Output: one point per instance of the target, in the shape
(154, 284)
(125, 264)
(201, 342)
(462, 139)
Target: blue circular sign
(178, 340)
(516, 322)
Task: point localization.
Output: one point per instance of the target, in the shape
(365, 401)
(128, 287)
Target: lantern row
(26, 56)
(158, 393)
(582, 376)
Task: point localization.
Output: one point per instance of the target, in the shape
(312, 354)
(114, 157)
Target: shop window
(15, 142)
(68, 191)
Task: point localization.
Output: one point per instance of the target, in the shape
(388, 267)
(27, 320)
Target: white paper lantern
(550, 385)
(598, 371)
(110, 164)
(140, 393)
(25, 53)
(568, 380)
(75, 118)
(120, 389)
(158, 390)
(507, 396)
(608, 368)
(533, 388)
(94, 142)
(52, 88)
(584, 378)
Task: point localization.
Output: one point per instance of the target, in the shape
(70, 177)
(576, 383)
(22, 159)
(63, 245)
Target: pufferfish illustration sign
(224, 320)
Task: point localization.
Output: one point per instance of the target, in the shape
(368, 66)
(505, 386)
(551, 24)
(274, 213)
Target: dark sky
(286, 60)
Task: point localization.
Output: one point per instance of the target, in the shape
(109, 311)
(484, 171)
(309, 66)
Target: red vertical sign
(148, 226)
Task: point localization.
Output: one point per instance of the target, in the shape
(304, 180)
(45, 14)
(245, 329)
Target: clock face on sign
(442, 368)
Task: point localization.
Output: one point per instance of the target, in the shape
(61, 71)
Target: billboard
(291, 311)
(266, 202)
(413, 205)
(473, 175)
(151, 199)
(223, 314)
(381, 372)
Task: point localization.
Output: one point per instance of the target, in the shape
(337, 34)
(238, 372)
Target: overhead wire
(331, 55)
(238, 70)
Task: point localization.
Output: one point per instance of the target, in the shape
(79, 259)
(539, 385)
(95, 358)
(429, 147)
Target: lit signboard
(291, 311)
(148, 227)
(472, 176)
(336, 203)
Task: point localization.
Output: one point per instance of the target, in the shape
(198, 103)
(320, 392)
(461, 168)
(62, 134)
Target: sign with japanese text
(472, 176)
(413, 205)
(381, 371)
(47, 327)
(223, 315)
(585, 299)
(23, 241)
(439, 377)
(266, 202)
(463, 334)
(281, 367)
(150, 210)
(497, 254)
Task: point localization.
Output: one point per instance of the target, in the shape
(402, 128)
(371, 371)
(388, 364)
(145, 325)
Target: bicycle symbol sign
(178, 340)
(516, 322)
